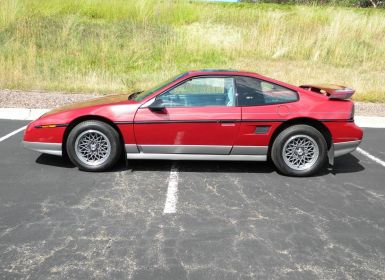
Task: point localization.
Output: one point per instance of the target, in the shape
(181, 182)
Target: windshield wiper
(134, 94)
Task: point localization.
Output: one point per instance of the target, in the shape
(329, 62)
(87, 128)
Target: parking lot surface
(229, 220)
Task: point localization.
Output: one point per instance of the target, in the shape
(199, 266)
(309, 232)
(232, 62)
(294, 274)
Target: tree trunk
(373, 3)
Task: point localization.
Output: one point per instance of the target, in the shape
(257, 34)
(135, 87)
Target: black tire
(299, 132)
(107, 134)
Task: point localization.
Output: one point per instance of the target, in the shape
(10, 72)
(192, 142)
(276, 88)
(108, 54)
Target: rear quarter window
(254, 92)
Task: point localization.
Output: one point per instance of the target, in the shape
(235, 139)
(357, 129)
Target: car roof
(211, 71)
(214, 70)
(203, 72)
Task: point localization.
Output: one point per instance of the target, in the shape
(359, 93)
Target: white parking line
(376, 159)
(172, 191)
(12, 133)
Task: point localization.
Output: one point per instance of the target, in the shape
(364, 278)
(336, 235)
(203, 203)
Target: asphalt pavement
(231, 220)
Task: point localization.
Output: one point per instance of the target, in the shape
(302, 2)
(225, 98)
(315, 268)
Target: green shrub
(120, 45)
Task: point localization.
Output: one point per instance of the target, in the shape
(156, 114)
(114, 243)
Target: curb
(32, 114)
(23, 114)
(366, 121)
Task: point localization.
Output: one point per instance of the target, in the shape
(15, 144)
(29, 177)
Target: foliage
(346, 3)
(120, 45)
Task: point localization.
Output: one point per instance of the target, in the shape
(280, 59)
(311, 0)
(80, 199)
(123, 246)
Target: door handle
(226, 121)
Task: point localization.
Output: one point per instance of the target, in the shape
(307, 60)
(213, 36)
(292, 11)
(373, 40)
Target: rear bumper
(42, 147)
(343, 148)
(346, 137)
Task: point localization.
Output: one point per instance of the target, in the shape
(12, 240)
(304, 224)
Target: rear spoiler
(332, 91)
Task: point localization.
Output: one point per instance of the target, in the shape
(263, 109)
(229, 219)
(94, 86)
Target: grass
(125, 45)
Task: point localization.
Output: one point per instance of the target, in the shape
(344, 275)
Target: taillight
(353, 111)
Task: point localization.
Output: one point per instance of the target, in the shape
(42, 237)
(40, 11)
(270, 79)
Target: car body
(205, 115)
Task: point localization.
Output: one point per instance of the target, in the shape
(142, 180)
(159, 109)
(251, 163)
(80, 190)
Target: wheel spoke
(300, 152)
(92, 147)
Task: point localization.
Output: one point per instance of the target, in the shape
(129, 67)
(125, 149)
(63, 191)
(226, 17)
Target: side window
(200, 92)
(253, 92)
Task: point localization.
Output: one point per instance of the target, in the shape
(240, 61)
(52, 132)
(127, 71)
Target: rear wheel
(299, 150)
(93, 146)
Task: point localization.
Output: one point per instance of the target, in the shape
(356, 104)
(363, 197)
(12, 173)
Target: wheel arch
(78, 120)
(307, 121)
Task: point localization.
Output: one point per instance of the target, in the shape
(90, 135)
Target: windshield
(144, 94)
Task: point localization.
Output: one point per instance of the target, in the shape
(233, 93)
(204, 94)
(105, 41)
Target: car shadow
(46, 159)
(194, 166)
(344, 164)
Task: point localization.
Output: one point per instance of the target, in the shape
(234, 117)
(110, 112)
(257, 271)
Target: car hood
(106, 100)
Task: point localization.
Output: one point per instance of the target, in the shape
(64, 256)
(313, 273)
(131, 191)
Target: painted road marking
(12, 133)
(172, 191)
(376, 159)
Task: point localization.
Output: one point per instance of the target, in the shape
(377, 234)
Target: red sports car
(205, 115)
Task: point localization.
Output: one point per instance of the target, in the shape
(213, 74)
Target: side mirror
(157, 106)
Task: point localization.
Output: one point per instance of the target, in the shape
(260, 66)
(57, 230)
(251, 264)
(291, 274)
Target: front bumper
(343, 148)
(42, 147)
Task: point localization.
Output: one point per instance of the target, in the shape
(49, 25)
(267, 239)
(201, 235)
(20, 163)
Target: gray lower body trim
(249, 150)
(343, 148)
(185, 149)
(197, 157)
(199, 152)
(131, 148)
(45, 148)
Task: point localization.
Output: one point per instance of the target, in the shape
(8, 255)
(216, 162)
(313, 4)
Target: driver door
(198, 116)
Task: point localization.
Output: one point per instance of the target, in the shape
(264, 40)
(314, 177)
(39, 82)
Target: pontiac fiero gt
(205, 115)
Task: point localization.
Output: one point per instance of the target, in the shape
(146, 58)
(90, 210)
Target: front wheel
(93, 146)
(299, 150)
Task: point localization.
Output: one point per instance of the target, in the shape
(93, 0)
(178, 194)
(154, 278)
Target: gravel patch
(39, 99)
(370, 109)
